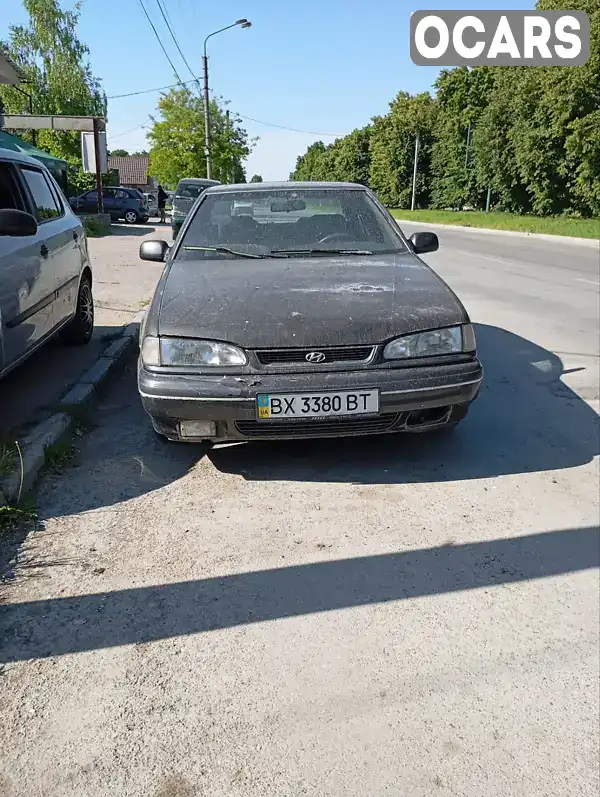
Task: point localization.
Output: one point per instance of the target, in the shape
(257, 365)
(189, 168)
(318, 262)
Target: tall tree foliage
(461, 96)
(393, 149)
(177, 140)
(534, 140)
(57, 72)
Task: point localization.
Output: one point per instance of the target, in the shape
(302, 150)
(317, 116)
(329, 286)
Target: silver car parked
(45, 274)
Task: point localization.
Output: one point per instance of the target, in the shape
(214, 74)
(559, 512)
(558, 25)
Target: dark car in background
(311, 316)
(121, 203)
(187, 192)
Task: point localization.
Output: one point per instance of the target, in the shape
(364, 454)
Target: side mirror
(17, 223)
(154, 250)
(424, 242)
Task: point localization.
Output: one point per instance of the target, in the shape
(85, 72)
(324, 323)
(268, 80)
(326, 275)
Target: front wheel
(79, 330)
(131, 217)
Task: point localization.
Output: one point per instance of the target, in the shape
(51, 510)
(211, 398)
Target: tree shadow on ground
(60, 626)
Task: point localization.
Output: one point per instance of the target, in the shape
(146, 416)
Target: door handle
(44, 250)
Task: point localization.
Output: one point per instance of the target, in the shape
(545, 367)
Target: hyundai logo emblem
(315, 357)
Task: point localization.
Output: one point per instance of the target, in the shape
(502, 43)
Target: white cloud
(274, 156)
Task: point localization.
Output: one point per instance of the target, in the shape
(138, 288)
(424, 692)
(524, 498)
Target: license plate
(272, 407)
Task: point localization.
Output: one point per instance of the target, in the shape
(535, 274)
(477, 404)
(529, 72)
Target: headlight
(187, 351)
(452, 340)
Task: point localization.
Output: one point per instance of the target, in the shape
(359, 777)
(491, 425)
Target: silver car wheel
(86, 309)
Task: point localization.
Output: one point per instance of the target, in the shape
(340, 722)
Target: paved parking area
(404, 616)
(122, 286)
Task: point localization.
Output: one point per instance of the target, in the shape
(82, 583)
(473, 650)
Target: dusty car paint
(310, 303)
(258, 303)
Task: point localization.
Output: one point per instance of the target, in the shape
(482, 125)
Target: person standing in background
(162, 201)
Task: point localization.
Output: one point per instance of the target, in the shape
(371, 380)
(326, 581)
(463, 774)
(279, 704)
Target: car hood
(316, 301)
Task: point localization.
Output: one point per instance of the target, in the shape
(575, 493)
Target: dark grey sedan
(310, 316)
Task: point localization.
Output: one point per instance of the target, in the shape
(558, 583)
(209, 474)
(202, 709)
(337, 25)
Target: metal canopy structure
(82, 124)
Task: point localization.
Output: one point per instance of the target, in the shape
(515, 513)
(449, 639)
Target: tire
(131, 216)
(79, 330)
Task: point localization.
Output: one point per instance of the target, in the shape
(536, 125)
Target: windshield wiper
(320, 252)
(223, 250)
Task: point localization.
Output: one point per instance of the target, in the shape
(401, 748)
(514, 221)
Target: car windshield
(289, 223)
(190, 190)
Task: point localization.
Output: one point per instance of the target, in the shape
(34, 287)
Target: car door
(122, 198)
(70, 257)
(61, 257)
(90, 202)
(27, 287)
(110, 201)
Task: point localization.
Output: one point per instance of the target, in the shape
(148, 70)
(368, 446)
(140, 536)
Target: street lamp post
(243, 23)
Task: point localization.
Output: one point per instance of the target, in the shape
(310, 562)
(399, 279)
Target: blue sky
(323, 66)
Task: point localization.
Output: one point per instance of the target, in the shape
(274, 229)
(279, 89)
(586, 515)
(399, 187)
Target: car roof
(199, 180)
(240, 188)
(18, 157)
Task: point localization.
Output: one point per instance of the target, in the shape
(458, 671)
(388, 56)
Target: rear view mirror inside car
(287, 205)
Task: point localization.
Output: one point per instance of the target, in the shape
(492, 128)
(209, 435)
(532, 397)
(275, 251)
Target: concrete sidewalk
(123, 285)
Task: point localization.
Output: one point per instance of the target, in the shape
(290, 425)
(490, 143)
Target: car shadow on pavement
(60, 626)
(526, 419)
(133, 229)
(31, 391)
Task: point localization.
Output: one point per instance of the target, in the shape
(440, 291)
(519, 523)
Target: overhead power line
(124, 133)
(159, 40)
(179, 50)
(293, 129)
(149, 91)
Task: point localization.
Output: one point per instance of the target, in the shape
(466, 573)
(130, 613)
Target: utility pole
(488, 200)
(468, 141)
(243, 23)
(98, 164)
(207, 119)
(228, 134)
(414, 185)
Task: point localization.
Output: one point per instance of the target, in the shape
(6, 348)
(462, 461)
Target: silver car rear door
(27, 288)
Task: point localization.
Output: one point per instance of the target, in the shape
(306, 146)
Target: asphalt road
(405, 616)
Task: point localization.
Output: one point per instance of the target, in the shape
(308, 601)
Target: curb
(590, 242)
(58, 426)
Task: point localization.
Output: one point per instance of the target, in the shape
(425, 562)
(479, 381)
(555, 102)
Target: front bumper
(410, 399)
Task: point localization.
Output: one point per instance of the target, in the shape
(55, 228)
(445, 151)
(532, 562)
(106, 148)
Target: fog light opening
(428, 417)
(198, 430)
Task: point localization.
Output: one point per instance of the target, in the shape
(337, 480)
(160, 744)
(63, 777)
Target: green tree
(55, 65)
(393, 150)
(538, 142)
(351, 157)
(309, 164)
(461, 97)
(119, 153)
(177, 140)
(256, 178)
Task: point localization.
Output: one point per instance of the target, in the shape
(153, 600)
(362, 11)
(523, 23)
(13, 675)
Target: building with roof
(133, 171)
